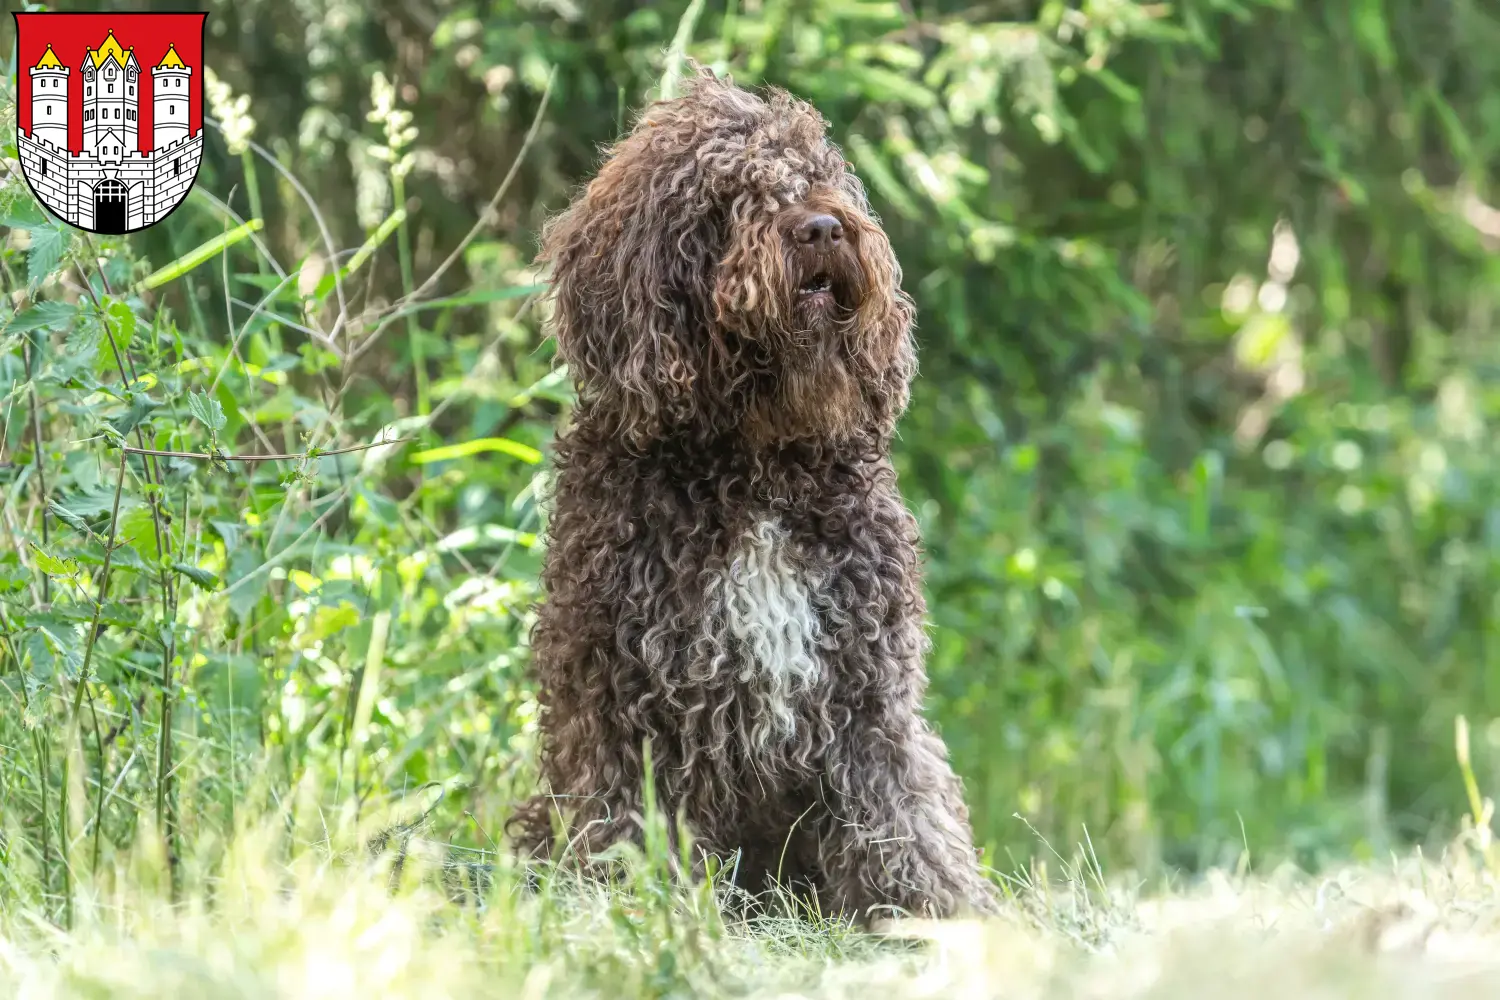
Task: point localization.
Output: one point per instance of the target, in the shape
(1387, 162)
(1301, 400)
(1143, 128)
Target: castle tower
(169, 99)
(49, 100)
(111, 100)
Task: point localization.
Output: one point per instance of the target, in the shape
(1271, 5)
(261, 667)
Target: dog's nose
(821, 233)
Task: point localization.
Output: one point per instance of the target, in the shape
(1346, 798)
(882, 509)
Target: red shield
(109, 126)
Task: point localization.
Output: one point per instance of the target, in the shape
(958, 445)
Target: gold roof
(49, 60)
(171, 60)
(111, 49)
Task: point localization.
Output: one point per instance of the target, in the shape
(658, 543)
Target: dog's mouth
(820, 283)
(827, 285)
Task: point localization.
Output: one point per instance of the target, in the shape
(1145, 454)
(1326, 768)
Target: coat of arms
(110, 119)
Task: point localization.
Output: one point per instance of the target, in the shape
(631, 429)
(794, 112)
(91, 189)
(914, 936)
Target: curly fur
(731, 572)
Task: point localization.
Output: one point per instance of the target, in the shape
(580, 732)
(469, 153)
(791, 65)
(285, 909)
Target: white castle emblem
(111, 186)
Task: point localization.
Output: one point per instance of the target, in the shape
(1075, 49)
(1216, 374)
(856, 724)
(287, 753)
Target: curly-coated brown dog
(731, 573)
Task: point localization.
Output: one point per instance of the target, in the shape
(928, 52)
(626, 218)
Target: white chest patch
(770, 611)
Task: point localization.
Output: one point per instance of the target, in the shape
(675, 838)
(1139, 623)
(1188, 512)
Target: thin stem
(75, 714)
(289, 457)
(36, 454)
(88, 658)
(413, 332)
(43, 763)
(109, 553)
(487, 217)
(168, 596)
(247, 163)
(413, 329)
(99, 796)
(317, 214)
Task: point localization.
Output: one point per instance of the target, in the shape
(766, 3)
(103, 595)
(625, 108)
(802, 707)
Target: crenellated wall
(155, 182)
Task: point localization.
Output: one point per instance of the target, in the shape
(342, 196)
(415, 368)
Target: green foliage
(1200, 445)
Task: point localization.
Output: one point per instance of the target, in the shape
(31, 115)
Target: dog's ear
(886, 350)
(631, 260)
(752, 272)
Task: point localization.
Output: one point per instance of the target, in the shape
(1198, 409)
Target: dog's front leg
(575, 824)
(898, 840)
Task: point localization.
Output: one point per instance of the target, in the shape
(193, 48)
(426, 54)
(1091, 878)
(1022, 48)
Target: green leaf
(52, 565)
(265, 282)
(118, 614)
(40, 652)
(329, 620)
(122, 325)
(138, 529)
(127, 558)
(63, 642)
(1259, 339)
(197, 574)
(1370, 27)
(880, 84)
(207, 411)
(95, 502)
(80, 353)
(505, 446)
(381, 234)
(47, 244)
(862, 10)
(243, 599)
(68, 517)
(43, 315)
(231, 682)
(141, 406)
(182, 265)
(873, 168)
(24, 214)
(552, 386)
(475, 535)
(231, 408)
(230, 532)
(379, 506)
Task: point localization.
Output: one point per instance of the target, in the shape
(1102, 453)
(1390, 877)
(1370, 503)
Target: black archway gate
(109, 206)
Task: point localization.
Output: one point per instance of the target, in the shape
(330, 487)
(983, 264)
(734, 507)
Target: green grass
(292, 906)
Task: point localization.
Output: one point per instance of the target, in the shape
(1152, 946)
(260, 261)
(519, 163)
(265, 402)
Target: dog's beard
(826, 291)
(823, 366)
(815, 391)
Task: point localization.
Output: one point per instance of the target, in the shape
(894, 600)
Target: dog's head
(724, 272)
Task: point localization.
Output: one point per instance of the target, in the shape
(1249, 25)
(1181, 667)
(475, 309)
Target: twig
(164, 821)
(485, 218)
(312, 206)
(218, 204)
(234, 342)
(83, 680)
(39, 745)
(10, 402)
(15, 539)
(334, 499)
(205, 457)
(37, 449)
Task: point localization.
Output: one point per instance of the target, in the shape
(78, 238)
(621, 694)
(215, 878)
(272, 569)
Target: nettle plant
(232, 548)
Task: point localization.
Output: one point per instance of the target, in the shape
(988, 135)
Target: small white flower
(400, 133)
(233, 112)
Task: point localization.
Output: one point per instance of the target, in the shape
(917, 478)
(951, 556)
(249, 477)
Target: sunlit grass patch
(296, 905)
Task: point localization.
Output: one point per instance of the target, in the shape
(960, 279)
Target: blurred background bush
(1200, 443)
